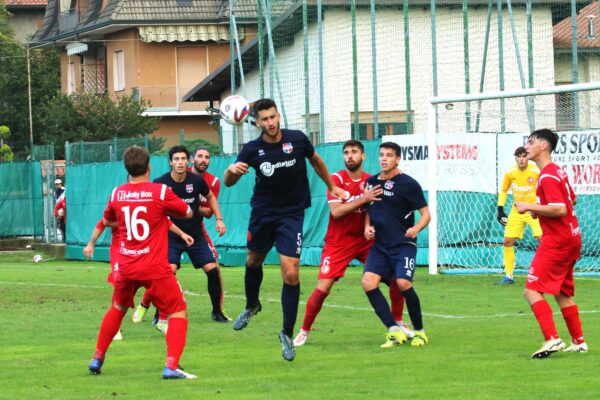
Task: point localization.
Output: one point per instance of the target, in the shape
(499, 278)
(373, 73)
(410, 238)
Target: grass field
(481, 338)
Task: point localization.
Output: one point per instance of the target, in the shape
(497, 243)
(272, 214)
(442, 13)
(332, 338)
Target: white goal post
(433, 132)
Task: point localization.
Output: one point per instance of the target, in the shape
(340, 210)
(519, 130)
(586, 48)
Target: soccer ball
(37, 258)
(234, 110)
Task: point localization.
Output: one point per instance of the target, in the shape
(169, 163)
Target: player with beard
(345, 240)
(281, 194)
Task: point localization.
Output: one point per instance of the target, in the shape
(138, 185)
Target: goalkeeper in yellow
(522, 180)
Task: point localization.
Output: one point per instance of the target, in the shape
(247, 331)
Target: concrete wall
(25, 22)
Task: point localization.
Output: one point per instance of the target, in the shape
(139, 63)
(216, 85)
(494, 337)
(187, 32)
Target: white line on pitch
(327, 305)
(442, 316)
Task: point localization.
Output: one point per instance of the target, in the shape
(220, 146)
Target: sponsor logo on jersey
(362, 186)
(288, 148)
(261, 152)
(388, 185)
(123, 195)
(530, 179)
(268, 169)
(189, 188)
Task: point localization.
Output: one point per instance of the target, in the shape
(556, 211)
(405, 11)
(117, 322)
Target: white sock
(394, 328)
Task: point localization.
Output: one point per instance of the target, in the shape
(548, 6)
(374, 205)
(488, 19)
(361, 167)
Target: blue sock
(413, 304)
(253, 280)
(381, 307)
(290, 297)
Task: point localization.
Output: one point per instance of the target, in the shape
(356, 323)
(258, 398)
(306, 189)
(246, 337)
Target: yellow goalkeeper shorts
(515, 227)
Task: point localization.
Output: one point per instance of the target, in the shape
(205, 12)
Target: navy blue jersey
(190, 190)
(394, 214)
(281, 185)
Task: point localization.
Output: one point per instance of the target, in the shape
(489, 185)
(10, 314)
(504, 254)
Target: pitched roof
(563, 30)
(149, 12)
(25, 2)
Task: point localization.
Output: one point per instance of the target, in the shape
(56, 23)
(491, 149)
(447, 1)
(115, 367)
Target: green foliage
(45, 83)
(4, 131)
(93, 118)
(481, 338)
(6, 154)
(192, 145)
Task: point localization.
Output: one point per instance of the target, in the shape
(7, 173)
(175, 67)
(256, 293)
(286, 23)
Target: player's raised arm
(321, 169)
(340, 210)
(234, 172)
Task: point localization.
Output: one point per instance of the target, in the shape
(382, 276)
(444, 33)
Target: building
(408, 68)
(27, 17)
(154, 50)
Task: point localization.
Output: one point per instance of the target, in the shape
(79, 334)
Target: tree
(93, 118)
(45, 83)
(6, 153)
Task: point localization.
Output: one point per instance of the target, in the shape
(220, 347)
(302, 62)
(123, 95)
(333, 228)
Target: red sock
(175, 341)
(543, 312)
(571, 316)
(108, 329)
(146, 300)
(315, 302)
(397, 301)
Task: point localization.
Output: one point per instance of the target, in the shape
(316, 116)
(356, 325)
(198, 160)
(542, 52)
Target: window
(119, 70)
(389, 123)
(71, 78)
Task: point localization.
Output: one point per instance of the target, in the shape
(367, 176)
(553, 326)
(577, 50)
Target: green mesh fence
(90, 186)
(21, 205)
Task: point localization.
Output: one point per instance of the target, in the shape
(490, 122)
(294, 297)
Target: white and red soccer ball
(234, 110)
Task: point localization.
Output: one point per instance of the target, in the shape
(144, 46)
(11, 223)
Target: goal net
(475, 137)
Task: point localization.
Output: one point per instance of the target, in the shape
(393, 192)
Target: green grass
(481, 338)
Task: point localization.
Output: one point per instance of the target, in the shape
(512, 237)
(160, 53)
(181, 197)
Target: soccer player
(88, 251)
(391, 222)
(60, 213)
(201, 162)
(345, 240)
(521, 179)
(551, 270)
(140, 209)
(281, 193)
(190, 188)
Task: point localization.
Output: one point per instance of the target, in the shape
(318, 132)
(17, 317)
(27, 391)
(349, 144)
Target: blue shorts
(387, 262)
(283, 230)
(199, 253)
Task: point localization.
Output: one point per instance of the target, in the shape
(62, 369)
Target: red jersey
(61, 204)
(214, 184)
(140, 210)
(351, 227)
(560, 236)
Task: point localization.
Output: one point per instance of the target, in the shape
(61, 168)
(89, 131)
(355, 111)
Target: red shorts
(211, 246)
(164, 293)
(335, 259)
(551, 275)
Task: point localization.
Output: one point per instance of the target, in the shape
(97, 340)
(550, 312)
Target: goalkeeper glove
(501, 216)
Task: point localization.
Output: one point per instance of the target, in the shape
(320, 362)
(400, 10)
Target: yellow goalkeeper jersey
(522, 184)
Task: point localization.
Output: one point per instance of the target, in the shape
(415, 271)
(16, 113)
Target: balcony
(93, 78)
(168, 98)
